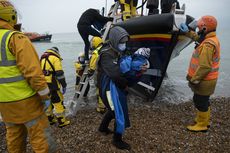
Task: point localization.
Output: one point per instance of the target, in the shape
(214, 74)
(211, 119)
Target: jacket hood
(115, 36)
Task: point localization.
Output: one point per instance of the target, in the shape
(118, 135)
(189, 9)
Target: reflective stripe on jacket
(194, 63)
(13, 86)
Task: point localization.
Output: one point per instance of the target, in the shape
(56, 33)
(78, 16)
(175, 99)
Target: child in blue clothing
(132, 66)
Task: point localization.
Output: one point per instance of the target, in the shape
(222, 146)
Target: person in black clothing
(152, 5)
(166, 6)
(89, 18)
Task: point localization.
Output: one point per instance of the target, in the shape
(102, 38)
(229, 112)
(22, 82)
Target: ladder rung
(85, 73)
(82, 82)
(78, 92)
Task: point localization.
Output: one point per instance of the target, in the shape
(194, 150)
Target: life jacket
(215, 60)
(94, 58)
(13, 86)
(45, 56)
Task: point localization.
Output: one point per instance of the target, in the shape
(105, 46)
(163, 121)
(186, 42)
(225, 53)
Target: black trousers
(85, 31)
(201, 102)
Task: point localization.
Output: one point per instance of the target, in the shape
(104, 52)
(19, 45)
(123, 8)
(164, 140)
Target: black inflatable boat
(161, 34)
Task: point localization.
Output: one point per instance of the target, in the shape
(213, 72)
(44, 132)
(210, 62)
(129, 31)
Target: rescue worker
(203, 70)
(23, 88)
(52, 68)
(89, 18)
(80, 66)
(128, 8)
(96, 45)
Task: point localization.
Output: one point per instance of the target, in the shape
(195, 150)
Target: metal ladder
(84, 81)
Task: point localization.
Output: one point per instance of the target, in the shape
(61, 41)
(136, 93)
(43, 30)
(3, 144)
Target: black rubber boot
(52, 119)
(119, 143)
(103, 128)
(62, 121)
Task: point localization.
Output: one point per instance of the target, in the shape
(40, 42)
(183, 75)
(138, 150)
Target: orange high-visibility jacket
(194, 63)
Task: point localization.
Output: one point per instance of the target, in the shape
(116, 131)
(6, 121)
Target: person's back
(52, 68)
(23, 89)
(92, 17)
(88, 17)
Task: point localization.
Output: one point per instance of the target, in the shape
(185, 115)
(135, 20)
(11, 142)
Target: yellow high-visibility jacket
(27, 61)
(52, 68)
(94, 59)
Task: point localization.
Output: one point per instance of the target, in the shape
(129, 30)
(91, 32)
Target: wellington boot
(52, 119)
(119, 143)
(209, 116)
(105, 131)
(62, 122)
(202, 122)
(100, 105)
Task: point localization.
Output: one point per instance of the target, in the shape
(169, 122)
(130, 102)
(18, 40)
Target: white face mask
(122, 46)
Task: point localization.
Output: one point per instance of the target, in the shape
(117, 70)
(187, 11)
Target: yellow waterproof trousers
(57, 106)
(38, 131)
(100, 105)
(128, 8)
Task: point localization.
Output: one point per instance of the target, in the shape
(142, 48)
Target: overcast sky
(58, 16)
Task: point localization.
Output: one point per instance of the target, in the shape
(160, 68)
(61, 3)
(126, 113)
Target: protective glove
(184, 27)
(144, 52)
(63, 90)
(46, 103)
(193, 85)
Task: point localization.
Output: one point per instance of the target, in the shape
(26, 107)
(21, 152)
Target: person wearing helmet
(80, 66)
(203, 71)
(24, 94)
(128, 8)
(96, 45)
(52, 69)
(89, 18)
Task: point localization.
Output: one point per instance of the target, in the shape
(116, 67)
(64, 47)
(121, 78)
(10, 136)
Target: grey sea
(174, 89)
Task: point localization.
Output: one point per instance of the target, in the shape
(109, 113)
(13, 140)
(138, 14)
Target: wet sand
(156, 127)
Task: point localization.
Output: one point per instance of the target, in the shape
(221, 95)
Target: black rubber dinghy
(157, 33)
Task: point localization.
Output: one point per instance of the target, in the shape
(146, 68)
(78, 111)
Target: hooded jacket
(108, 63)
